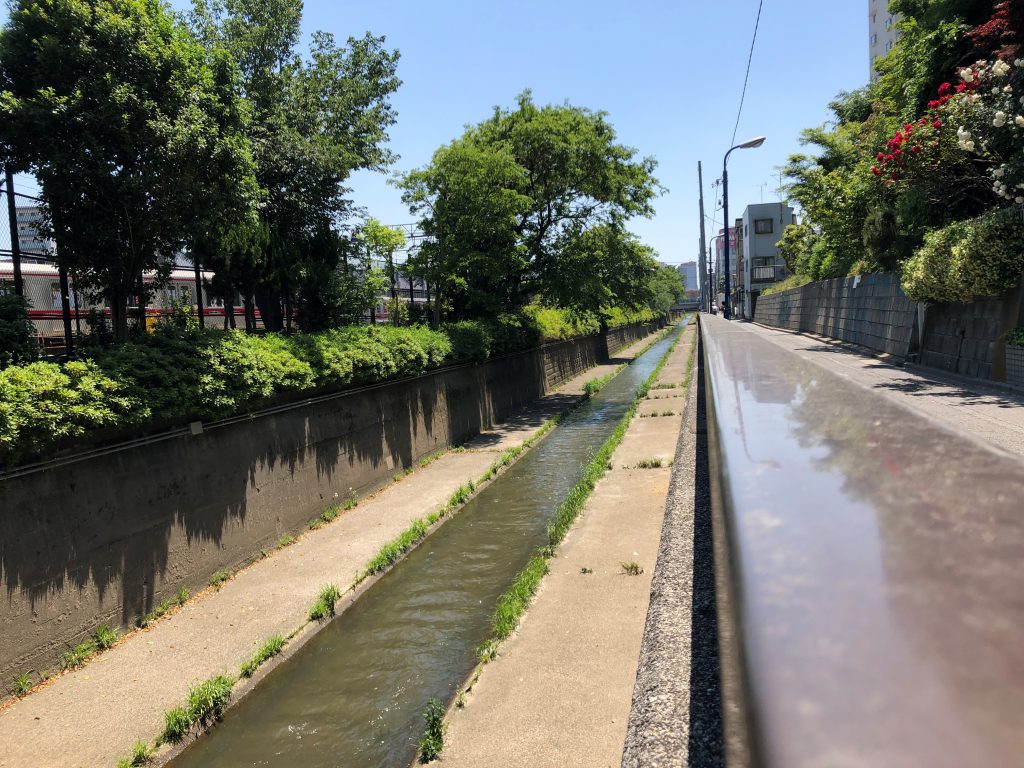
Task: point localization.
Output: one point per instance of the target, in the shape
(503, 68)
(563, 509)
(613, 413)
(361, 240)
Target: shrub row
(180, 373)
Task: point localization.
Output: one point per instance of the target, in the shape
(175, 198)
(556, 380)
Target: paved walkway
(559, 692)
(985, 413)
(93, 716)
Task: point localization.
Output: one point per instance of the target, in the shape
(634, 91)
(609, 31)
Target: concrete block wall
(869, 310)
(106, 536)
(968, 338)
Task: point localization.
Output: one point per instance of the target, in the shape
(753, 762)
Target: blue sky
(669, 74)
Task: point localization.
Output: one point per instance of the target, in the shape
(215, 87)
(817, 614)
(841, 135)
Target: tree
(314, 122)
(510, 206)
(381, 242)
(667, 289)
(115, 108)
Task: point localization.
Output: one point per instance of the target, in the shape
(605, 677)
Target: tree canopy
(532, 203)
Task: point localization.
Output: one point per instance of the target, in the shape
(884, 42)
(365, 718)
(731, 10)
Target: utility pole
(700, 181)
(12, 215)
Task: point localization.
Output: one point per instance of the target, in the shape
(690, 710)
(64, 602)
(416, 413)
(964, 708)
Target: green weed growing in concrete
(104, 637)
(391, 552)
(182, 597)
(323, 606)
(650, 463)
(205, 704)
(487, 651)
(142, 754)
(513, 603)
(218, 578)
(432, 742)
(632, 568)
(664, 386)
(75, 657)
(270, 648)
(351, 501)
(23, 684)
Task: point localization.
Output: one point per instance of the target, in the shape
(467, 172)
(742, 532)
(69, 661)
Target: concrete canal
(355, 693)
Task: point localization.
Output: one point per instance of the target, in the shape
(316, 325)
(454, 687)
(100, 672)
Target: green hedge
(967, 260)
(180, 373)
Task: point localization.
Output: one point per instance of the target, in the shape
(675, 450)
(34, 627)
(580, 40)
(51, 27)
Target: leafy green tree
(130, 131)
(667, 289)
(314, 121)
(513, 204)
(381, 242)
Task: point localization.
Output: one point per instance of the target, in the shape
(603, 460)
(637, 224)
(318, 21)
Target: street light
(749, 144)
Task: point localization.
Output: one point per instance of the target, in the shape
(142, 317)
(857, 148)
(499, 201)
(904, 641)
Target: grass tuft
(323, 606)
(285, 541)
(75, 657)
(23, 684)
(218, 578)
(650, 464)
(432, 742)
(182, 597)
(142, 754)
(270, 648)
(205, 704)
(632, 568)
(514, 602)
(104, 637)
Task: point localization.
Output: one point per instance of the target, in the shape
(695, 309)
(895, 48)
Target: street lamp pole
(750, 144)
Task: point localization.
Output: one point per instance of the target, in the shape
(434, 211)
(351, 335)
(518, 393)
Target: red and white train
(42, 290)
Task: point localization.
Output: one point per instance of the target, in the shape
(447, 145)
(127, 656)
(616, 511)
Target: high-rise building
(882, 34)
(30, 240)
(688, 270)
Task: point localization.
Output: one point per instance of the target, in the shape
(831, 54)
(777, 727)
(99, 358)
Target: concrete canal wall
(106, 536)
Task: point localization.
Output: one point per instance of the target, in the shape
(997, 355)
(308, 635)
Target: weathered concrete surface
(93, 716)
(675, 718)
(559, 692)
(984, 413)
(108, 535)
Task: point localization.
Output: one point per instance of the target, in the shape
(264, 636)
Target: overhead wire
(746, 78)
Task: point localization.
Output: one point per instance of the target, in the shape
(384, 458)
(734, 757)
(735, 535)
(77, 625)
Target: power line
(750, 58)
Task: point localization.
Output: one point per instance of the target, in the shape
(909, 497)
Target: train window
(55, 295)
(6, 287)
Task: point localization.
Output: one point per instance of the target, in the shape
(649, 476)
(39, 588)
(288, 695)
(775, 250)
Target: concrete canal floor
(93, 716)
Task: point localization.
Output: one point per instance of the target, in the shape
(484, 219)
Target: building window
(763, 226)
(874, 39)
(888, 46)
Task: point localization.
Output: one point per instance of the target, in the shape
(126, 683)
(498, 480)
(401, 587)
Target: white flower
(966, 75)
(1019, 200)
(998, 172)
(1018, 63)
(999, 120)
(1019, 120)
(1000, 68)
(995, 91)
(973, 98)
(1007, 89)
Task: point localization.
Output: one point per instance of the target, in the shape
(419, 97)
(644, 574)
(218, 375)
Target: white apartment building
(882, 32)
(763, 265)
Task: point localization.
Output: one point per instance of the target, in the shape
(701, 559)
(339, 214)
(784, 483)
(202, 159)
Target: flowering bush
(990, 115)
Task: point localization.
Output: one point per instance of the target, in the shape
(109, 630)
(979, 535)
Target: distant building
(30, 241)
(688, 270)
(882, 34)
(763, 265)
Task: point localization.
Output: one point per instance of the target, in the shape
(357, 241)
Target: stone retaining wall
(869, 310)
(104, 537)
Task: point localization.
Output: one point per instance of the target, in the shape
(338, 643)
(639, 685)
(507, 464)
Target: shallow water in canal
(354, 695)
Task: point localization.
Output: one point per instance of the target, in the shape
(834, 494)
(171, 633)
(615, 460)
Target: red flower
(936, 123)
(876, 170)
(961, 87)
(915, 149)
(880, 156)
(934, 104)
(944, 89)
(889, 158)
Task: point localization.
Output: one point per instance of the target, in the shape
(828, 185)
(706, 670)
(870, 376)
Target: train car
(42, 290)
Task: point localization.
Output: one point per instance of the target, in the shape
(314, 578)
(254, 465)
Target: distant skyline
(669, 75)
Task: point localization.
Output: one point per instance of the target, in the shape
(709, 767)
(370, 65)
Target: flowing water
(354, 695)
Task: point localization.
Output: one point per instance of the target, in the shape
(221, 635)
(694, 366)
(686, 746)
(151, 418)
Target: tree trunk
(250, 313)
(118, 300)
(268, 299)
(437, 306)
